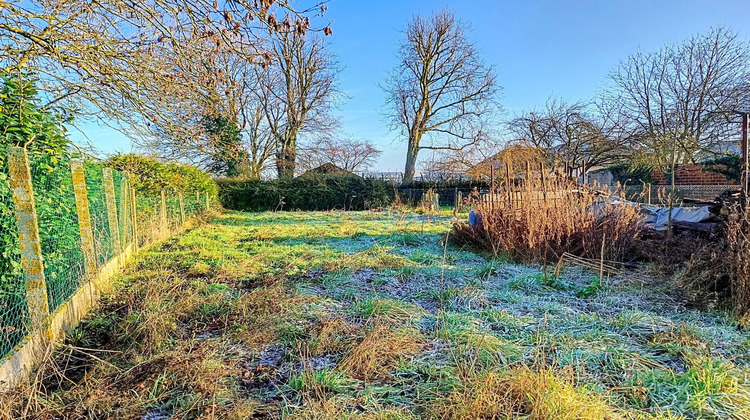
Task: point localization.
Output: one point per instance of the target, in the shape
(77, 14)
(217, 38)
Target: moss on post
(28, 237)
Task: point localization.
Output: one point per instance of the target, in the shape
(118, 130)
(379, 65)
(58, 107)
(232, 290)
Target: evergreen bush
(318, 192)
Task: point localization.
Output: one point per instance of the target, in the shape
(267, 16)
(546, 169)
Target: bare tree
(441, 95)
(571, 133)
(299, 92)
(676, 100)
(463, 160)
(132, 61)
(350, 154)
(221, 125)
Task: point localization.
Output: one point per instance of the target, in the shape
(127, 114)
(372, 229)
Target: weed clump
(379, 352)
(543, 225)
(543, 394)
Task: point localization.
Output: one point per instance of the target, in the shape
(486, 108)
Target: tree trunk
(411, 162)
(286, 159)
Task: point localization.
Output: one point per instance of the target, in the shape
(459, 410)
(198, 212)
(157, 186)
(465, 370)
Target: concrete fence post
(28, 237)
(207, 202)
(182, 209)
(134, 217)
(164, 223)
(125, 208)
(109, 196)
(84, 216)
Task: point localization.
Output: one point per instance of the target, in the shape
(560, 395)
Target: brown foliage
(539, 221)
(739, 260)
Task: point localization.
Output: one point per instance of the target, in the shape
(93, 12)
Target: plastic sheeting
(654, 216)
(657, 217)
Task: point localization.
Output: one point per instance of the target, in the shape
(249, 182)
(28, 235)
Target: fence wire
(13, 308)
(63, 259)
(103, 238)
(60, 236)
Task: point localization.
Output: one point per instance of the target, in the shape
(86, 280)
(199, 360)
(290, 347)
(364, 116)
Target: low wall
(18, 365)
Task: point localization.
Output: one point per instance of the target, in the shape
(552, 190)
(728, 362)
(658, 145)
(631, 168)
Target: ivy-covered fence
(82, 213)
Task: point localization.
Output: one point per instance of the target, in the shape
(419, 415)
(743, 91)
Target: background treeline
(315, 192)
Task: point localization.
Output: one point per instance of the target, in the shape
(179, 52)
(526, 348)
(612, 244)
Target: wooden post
(182, 209)
(28, 237)
(544, 180)
(507, 185)
(84, 216)
(109, 196)
(164, 225)
(567, 170)
(456, 201)
(583, 172)
(492, 186)
(134, 218)
(207, 202)
(528, 174)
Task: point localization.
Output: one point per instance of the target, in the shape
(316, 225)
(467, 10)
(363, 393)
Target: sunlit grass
(367, 315)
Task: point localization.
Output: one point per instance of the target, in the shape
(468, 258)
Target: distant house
(515, 156)
(327, 169)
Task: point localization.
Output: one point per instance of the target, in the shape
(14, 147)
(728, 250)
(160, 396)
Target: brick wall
(659, 193)
(691, 175)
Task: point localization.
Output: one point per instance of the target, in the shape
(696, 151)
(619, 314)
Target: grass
(368, 315)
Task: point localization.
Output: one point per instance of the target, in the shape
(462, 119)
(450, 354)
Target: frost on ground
(370, 315)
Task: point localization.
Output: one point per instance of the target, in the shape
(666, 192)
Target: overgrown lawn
(369, 315)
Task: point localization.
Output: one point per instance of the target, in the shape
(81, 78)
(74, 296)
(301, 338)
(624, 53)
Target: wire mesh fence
(58, 228)
(13, 308)
(116, 221)
(103, 238)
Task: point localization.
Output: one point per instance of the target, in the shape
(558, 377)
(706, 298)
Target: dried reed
(541, 219)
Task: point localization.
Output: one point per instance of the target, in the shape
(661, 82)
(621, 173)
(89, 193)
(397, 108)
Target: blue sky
(539, 48)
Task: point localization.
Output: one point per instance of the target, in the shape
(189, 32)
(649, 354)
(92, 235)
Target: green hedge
(306, 193)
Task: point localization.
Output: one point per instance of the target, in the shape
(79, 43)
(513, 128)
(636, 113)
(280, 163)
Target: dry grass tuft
(380, 351)
(542, 395)
(541, 223)
(261, 317)
(739, 257)
(334, 335)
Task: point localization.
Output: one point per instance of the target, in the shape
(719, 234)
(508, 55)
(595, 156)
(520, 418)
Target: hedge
(320, 192)
(152, 175)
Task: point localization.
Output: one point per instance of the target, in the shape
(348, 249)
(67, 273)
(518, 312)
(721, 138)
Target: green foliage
(630, 173)
(25, 122)
(152, 175)
(321, 192)
(226, 139)
(729, 165)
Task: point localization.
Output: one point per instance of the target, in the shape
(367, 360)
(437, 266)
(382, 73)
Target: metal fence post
(84, 216)
(109, 196)
(28, 237)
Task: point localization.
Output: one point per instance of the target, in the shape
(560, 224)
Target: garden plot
(371, 315)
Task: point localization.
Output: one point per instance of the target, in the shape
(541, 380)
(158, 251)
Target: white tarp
(658, 217)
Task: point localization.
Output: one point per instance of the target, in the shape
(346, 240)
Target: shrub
(534, 223)
(319, 192)
(152, 175)
(739, 260)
